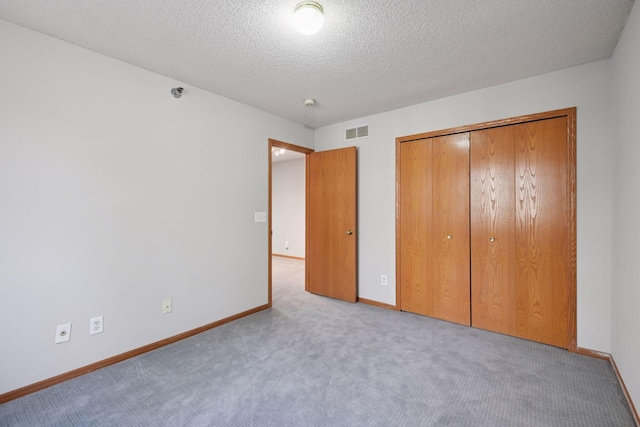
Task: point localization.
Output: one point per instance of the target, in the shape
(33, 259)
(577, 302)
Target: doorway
(330, 221)
(286, 243)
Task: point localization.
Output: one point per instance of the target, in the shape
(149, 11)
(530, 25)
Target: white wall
(288, 207)
(587, 87)
(625, 337)
(115, 196)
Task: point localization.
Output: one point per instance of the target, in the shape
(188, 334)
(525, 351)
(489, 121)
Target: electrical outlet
(96, 325)
(63, 333)
(383, 280)
(166, 306)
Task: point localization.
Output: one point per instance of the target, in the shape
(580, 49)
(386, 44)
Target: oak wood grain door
(543, 218)
(450, 222)
(434, 230)
(493, 239)
(415, 213)
(520, 254)
(331, 224)
(520, 230)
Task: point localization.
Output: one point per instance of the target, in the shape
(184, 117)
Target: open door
(331, 253)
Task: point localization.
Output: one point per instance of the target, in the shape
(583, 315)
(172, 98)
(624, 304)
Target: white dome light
(308, 17)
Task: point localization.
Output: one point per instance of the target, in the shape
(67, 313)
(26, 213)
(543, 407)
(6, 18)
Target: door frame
(306, 151)
(570, 114)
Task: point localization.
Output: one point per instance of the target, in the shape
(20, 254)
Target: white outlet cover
(166, 306)
(63, 333)
(96, 325)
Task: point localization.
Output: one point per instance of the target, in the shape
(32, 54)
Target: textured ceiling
(371, 55)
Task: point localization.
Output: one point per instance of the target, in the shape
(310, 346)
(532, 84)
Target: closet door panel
(415, 227)
(493, 287)
(542, 231)
(450, 225)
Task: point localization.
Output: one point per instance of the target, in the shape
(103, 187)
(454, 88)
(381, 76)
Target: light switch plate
(261, 216)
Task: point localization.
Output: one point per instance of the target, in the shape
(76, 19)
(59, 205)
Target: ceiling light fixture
(277, 151)
(308, 17)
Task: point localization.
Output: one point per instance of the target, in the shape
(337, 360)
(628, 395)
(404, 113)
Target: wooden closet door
(543, 218)
(434, 227)
(415, 206)
(492, 179)
(509, 267)
(450, 228)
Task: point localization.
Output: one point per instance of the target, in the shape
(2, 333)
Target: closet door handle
(449, 236)
(492, 239)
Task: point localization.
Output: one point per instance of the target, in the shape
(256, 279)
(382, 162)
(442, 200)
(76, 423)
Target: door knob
(492, 239)
(349, 232)
(449, 237)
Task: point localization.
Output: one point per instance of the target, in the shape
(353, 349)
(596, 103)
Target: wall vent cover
(359, 132)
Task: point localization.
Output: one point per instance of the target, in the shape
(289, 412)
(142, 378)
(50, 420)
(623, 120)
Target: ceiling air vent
(359, 132)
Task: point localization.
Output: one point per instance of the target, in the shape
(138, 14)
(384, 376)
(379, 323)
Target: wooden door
(521, 189)
(415, 248)
(520, 231)
(434, 227)
(331, 224)
(450, 228)
(543, 233)
(492, 180)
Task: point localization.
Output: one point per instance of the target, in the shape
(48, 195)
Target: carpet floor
(314, 361)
